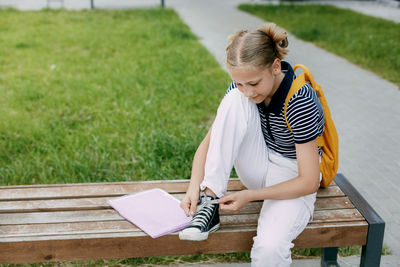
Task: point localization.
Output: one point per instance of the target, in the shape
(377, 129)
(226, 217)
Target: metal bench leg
(329, 257)
(371, 252)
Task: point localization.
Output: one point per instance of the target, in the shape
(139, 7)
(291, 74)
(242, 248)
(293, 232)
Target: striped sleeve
(305, 115)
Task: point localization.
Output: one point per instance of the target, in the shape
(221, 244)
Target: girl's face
(258, 84)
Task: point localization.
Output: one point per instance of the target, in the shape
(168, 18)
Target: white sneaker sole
(197, 236)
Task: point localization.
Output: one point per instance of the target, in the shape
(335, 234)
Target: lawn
(96, 96)
(369, 42)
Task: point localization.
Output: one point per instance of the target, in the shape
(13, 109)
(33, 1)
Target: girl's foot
(204, 222)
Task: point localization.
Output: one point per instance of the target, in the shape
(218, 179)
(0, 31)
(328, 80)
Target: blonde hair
(258, 48)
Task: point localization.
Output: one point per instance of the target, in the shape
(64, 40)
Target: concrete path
(365, 107)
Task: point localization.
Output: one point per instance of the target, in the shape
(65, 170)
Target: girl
(250, 132)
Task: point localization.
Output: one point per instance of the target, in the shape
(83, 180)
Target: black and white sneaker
(204, 222)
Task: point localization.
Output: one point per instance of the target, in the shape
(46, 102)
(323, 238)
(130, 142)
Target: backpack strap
(297, 84)
(308, 76)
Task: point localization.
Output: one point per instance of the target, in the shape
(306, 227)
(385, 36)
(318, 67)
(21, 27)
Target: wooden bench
(74, 222)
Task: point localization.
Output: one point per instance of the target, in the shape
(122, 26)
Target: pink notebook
(154, 211)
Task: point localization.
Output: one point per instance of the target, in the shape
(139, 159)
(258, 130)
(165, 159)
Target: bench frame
(371, 251)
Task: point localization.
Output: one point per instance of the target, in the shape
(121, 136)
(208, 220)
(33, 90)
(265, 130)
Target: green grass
(369, 42)
(151, 261)
(342, 251)
(102, 96)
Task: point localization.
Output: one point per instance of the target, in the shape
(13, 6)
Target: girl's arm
(189, 202)
(305, 183)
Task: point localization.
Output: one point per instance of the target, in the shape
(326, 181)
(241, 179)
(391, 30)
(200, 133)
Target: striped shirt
(304, 113)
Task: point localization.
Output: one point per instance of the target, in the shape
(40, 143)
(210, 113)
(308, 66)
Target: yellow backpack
(329, 141)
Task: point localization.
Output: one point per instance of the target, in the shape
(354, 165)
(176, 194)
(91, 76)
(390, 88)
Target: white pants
(237, 139)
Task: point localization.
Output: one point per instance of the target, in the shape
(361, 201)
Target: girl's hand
(234, 202)
(189, 202)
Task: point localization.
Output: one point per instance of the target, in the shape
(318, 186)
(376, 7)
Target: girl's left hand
(234, 202)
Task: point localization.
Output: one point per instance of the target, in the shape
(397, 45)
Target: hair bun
(277, 36)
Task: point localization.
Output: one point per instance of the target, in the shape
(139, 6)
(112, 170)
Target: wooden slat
(93, 203)
(330, 191)
(344, 215)
(75, 216)
(121, 247)
(110, 214)
(135, 232)
(33, 192)
(96, 189)
(60, 217)
(69, 229)
(48, 229)
(334, 235)
(333, 203)
(121, 226)
(320, 216)
(25, 206)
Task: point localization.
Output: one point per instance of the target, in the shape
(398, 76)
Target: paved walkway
(365, 107)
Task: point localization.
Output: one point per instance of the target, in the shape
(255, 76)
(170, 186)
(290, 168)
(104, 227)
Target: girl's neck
(277, 83)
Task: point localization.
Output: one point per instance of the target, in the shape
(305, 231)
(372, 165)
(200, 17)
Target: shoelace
(204, 212)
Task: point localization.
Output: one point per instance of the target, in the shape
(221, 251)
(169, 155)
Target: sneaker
(204, 222)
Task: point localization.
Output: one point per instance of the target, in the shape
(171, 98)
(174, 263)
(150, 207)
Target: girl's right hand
(189, 202)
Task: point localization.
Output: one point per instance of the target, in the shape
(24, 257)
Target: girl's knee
(271, 252)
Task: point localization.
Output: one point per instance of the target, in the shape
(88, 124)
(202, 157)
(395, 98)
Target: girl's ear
(276, 66)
